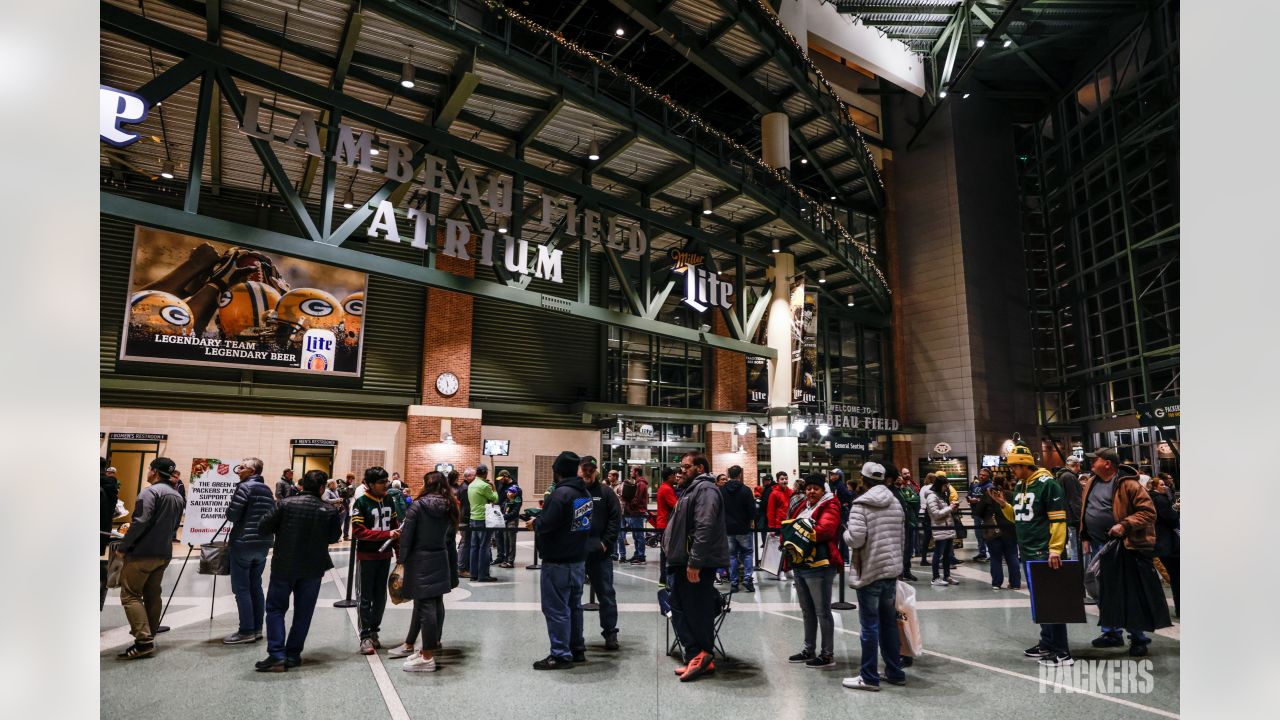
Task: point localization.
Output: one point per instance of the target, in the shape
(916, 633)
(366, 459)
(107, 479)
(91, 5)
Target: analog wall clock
(447, 384)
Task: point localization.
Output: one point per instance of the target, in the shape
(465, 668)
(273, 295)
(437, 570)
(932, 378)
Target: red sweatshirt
(666, 503)
(779, 498)
(826, 525)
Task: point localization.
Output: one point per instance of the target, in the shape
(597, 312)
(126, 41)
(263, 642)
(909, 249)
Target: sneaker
(1138, 650)
(580, 656)
(507, 565)
(857, 683)
(366, 647)
(137, 650)
(822, 662)
(400, 651)
(940, 582)
(236, 638)
(957, 561)
(637, 561)
(377, 644)
(908, 577)
(891, 681)
(751, 587)
(700, 665)
(720, 579)
(681, 668)
(1035, 651)
(271, 665)
(292, 661)
(953, 581)
(487, 579)
(1107, 640)
(981, 558)
(257, 635)
(733, 588)
(551, 662)
(611, 643)
(1057, 660)
(417, 663)
(803, 656)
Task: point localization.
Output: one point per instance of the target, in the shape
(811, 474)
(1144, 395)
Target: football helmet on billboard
(158, 312)
(304, 309)
(353, 308)
(245, 308)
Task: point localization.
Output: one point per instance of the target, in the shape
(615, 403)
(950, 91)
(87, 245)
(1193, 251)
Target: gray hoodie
(874, 536)
(695, 535)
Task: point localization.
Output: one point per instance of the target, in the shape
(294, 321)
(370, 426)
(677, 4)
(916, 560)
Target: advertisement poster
(758, 372)
(804, 341)
(209, 489)
(201, 302)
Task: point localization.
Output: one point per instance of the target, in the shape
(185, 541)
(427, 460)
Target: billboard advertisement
(804, 346)
(200, 302)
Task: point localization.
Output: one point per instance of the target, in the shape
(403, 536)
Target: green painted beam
(463, 82)
(175, 220)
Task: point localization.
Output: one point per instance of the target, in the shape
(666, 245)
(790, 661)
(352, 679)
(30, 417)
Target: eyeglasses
(686, 466)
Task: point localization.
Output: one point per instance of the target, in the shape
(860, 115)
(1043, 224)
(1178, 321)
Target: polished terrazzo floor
(973, 665)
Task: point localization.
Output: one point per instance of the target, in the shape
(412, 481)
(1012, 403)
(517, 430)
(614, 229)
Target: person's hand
(603, 547)
(997, 496)
(395, 533)
(692, 574)
(1116, 530)
(1055, 560)
(1084, 546)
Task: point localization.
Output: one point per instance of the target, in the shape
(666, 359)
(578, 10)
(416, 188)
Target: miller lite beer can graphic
(318, 347)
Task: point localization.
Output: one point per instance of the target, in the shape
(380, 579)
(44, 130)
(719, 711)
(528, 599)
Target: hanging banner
(804, 346)
(199, 302)
(1167, 411)
(209, 489)
(758, 369)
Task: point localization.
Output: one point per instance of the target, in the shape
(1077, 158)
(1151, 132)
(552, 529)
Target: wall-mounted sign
(942, 448)
(956, 469)
(703, 289)
(1160, 413)
(842, 417)
(200, 302)
(138, 437)
(313, 442)
(843, 445)
(116, 108)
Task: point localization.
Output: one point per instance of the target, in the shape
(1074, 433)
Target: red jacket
(666, 503)
(779, 498)
(826, 524)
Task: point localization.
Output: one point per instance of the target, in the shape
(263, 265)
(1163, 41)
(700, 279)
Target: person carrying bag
(215, 555)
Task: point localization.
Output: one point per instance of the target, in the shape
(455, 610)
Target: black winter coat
(606, 519)
(1167, 541)
(429, 549)
(251, 502)
(304, 526)
(558, 541)
(739, 507)
(109, 493)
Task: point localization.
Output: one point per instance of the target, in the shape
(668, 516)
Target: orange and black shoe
(700, 665)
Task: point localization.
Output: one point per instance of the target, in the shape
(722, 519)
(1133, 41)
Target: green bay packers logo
(354, 306)
(176, 315)
(316, 307)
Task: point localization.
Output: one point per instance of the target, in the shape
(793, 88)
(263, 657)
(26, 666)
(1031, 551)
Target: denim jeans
(247, 565)
(908, 548)
(1004, 552)
(600, 574)
(479, 554)
(636, 525)
(561, 589)
(1054, 637)
(464, 550)
(1137, 637)
(304, 592)
(942, 556)
(813, 586)
(878, 614)
(740, 556)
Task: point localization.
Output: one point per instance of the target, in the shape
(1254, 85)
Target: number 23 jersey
(1037, 505)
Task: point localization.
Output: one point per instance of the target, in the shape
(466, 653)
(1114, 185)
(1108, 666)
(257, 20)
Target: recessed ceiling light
(965, 96)
(942, 93)
(1008, 42)
(619, 32)
(804, 161)
(982, 42)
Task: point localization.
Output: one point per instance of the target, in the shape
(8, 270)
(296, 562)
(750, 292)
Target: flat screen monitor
(990, 461)
(497, 447)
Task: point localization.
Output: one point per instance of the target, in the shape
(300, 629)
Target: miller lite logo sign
(318, 347)
(702, 289)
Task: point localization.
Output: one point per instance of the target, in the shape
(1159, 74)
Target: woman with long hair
(941, 508)
(429, 549)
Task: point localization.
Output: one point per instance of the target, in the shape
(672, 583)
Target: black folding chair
(673, 641)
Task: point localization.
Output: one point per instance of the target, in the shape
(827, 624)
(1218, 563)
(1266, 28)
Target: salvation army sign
(208, 493)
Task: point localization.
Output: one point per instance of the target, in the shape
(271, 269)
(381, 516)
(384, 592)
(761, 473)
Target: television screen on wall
(497, 447)
(201, 302)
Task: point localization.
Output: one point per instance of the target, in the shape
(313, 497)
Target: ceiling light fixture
(982, 42)
(166, 170)
(619, 32)
(823, 429)
(822, 276)
(777, 246)
(348, 201)
(706, 206)
(833, 197)
(804, 161)
(406, 75)
(799, 424)
(850, 303)
(373, 149)
(942, 93)
(1008, 42)
(593, 150)
(742, 427)
(502, 224)
(965, 96)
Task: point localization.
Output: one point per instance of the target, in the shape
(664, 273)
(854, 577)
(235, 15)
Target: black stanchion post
(182, 569)
(351, 573)
(535, 565)
(841, 604)
(213, 594)
(592, 605)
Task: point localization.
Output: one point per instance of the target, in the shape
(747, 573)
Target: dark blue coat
(251, 502)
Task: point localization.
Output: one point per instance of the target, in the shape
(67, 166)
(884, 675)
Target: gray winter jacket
(156, 515)
(874, 537)
(940, 515)
(695, 535)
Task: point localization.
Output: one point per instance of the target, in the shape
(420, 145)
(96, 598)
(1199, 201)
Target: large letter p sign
(116, 107)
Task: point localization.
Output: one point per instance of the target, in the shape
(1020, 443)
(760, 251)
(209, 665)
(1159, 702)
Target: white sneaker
(400, 651)
(856, 683)
(417, 663)
(939, 582)
(953, 581)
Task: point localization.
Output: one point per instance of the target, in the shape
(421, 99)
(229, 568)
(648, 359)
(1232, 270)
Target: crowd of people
(869, 526)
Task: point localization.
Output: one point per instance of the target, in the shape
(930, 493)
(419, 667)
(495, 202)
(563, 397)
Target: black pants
(428, 618)
(926, 530)
(694, 607)
(600, 575)
(1170, 563)
(373, 594)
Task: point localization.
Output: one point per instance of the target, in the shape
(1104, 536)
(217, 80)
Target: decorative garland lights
(865, 250)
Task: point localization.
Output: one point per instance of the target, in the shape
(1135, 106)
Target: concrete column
(784, 447)
(775, 144)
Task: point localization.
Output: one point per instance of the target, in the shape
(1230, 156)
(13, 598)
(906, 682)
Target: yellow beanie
(1020, 455)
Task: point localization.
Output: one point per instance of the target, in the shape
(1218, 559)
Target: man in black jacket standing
(304, 527)
(1069, 479)
(250, 504)
(606, 519)
(739, 517)
(563, 533)
(696, 544)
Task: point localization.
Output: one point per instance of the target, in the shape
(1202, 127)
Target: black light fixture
(348, 200)
(502, 224)
(777, 246)
(706, 206)
(1008, 42)
(166, 170)
(822, 277)
(373, 148)
(942, 93)
(593, 150)
(850, 303)
(982, 42)
(965, 96)
(407, 71)
(804, 161)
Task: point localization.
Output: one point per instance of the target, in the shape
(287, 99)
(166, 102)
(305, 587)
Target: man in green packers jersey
(1039, 513)
(373, 523)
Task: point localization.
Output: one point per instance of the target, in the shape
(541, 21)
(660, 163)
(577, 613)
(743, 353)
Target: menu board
(957, 470)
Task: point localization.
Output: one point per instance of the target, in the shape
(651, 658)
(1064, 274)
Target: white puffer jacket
(874, 535)
(940, 515)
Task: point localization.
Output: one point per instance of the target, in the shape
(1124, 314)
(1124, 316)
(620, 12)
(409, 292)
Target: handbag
(115, 564)
(493, 517)
(395, 585)
(215, 555)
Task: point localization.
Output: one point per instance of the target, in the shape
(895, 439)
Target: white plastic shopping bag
(908, 623)
(493, 517)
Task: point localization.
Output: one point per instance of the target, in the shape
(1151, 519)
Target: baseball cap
(164, 466)
(873, 470)
(1107, 453)
(513, 488)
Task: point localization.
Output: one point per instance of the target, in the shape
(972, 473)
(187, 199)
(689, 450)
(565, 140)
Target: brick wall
(721, 454)
(728, 373)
